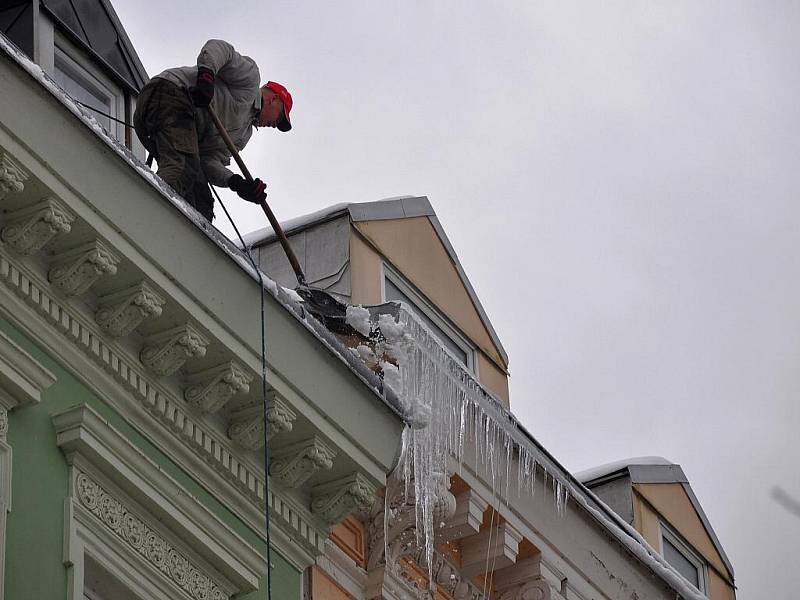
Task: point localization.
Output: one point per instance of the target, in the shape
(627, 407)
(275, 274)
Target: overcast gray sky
(620, 182)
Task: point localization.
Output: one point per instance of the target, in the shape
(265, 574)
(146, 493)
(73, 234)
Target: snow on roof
(286, 298)
(613, 467)
(399, 207)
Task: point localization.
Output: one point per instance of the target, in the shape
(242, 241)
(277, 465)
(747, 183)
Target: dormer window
(398, 288)
(683, 558)
(90, 89)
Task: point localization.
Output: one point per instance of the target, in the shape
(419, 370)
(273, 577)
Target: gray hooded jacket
(237, 102)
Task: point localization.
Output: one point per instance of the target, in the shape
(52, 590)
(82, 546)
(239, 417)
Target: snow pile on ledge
(448, 410)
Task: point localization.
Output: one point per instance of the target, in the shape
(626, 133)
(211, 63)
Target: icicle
(448, 413)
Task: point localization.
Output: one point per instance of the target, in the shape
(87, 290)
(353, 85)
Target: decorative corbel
(28, 229)
(166, 352)
(293, 465)
(528, 579)
(12, 176)
(334, 500)
(211, 389)
(77, 270)
(122, 312)
(247, 424)
(537, 589)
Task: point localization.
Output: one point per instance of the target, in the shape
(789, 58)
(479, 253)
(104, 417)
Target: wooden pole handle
(276, 227)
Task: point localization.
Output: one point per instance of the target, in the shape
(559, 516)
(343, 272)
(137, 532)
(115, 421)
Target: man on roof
(174, 125)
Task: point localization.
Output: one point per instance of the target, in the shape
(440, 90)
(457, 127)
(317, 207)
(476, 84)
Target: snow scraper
(319, 302)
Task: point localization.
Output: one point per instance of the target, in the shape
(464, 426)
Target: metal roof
(402, 207)
(95, 25)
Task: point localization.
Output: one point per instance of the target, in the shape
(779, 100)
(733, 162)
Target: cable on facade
(100, 112)
(263, 390)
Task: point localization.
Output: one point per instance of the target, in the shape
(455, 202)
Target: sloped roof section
(95, 26)
(653, 469)
(402, 207)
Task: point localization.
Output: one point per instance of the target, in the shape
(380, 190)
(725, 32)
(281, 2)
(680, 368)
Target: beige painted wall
(669, 501)
(413, 247)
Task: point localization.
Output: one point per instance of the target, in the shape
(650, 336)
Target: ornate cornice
(293, 465)
(298, 534)
(31, 228)
(148, 543)
(12, 176)
(123, 311)
(334, 500)
(210, 390)
(167, 351)
(76, 270)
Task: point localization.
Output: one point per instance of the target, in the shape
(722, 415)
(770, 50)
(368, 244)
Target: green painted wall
(35, 529)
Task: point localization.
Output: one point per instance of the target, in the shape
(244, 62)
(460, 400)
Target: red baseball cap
(284, 124)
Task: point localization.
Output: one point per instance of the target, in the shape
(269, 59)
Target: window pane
(394, 293)
(81, 89)
(682, 564)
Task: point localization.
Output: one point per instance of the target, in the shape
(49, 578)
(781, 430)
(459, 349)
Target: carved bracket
(334, 500)
(77, 270)
(247, 424)
(293, 465)
(166, 352)
(537, 589)
(12, 176)
(29, 229)
(211, 389)
(122, 312)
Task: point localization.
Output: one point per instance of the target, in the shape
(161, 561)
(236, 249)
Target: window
(683, 558)
(99, 584)
(86, 89)
(397, 288)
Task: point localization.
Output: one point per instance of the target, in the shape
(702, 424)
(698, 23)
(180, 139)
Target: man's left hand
(252, 191)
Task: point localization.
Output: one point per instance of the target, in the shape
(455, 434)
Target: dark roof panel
(95, 24)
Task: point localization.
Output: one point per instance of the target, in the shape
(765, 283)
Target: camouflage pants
(165, 123)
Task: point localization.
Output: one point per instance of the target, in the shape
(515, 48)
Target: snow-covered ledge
(22, 382)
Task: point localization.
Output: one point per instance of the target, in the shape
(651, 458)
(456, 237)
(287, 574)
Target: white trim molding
(143, 498)
(22, 382)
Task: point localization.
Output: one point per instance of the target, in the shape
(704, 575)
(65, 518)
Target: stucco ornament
(12, 176)
(396, 532)
(75, 271)
(3, 423)
(536, 589)
(122, 312)
(166, 352)
(247, 424)
(294, 465)
(29, 229)
(211, 389)
(148, 543)
(334, 500)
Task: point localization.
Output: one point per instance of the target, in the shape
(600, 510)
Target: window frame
(78, 67)
(666, 532)
(426, 307)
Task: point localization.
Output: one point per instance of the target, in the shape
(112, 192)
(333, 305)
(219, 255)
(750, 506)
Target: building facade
(133, 418)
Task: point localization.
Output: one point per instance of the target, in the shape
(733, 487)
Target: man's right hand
(252, 191)
(203, 91)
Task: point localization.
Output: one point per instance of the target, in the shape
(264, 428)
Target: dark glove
(203, 91)
(252, 191)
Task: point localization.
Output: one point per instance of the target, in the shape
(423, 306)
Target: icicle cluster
(450, 413)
